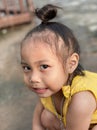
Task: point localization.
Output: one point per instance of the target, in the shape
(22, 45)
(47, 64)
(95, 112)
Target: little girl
(50, 60)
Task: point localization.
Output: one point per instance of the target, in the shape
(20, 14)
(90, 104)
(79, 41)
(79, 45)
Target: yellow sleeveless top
(79, 83)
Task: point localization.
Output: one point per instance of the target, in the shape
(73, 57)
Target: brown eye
(26, 68)
(43, 67)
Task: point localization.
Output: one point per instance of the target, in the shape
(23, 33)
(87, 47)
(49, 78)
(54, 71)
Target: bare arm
(36, 124)
(81, 108)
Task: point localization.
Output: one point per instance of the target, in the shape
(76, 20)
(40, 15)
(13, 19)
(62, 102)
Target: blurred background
(17, 102)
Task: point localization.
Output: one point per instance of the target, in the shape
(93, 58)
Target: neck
(57, 100)
(58, 95)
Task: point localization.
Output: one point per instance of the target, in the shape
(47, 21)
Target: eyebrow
(22, 62)
(41, 61)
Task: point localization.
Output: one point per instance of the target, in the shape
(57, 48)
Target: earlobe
(73, 62)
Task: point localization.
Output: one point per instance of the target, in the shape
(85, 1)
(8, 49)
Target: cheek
(62, 76)
(56, 78)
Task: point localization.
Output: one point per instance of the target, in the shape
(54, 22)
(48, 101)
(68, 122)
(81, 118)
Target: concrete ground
(16, 101)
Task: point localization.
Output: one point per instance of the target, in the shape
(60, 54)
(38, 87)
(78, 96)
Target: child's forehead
(46, 37)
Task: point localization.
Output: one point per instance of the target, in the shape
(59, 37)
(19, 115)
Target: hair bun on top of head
(46, 13)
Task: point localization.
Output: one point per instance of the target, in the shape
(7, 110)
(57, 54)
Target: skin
(42, 71)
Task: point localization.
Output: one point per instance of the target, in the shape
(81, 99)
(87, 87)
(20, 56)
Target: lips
(39, 90)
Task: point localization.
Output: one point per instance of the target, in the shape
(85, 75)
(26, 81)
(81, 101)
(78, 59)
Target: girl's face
(44, 73)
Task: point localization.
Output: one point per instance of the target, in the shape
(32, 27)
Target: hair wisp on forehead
(47, 37)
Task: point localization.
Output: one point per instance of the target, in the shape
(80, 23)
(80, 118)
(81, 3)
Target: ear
(73, 61)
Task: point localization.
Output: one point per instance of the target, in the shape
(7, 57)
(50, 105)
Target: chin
(44, 95)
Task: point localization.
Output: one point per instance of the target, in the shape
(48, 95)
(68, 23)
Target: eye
(43, 67)
(26, 68)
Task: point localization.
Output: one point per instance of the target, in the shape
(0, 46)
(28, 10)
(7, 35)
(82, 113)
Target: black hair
(45, 14)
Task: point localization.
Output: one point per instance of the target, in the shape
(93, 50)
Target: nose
(35, 77)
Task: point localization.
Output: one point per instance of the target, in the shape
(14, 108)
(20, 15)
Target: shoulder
(85, 83)
(80, 110)
(83, 102)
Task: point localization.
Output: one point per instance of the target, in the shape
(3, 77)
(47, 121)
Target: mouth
(39, 90)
